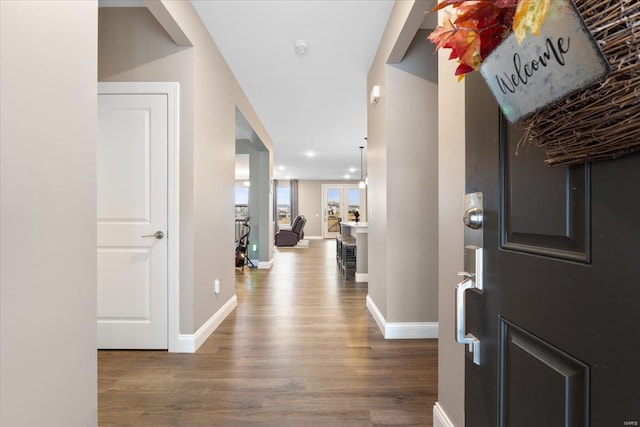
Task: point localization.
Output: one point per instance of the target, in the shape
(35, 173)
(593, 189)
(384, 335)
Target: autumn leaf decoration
(529, 14)
(473, 29)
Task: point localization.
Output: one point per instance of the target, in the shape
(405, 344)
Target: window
(283, 197)
(242, 201)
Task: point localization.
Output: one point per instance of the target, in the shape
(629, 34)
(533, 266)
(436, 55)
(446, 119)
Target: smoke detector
(301, 47)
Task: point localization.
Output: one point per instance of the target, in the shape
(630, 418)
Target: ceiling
(314, 103)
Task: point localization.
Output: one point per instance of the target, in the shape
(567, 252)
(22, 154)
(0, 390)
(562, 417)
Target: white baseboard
(265, 265)
(313, 237)
(362, 277)
(402, 330)
(189, 343)
(411, 330)
(440, 418)
(375, 313)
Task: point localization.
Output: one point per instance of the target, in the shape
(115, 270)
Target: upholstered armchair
(286, 237)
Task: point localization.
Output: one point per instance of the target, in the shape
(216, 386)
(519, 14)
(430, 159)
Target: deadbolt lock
(472, 218)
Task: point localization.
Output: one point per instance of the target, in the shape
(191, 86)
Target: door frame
(172, 91)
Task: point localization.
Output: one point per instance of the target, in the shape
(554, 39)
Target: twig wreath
(600, 121)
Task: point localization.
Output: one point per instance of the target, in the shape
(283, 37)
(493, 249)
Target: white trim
(265, 265)
(375, 313)
(313, 237)
(401, 330)
(440, 418)
(172, 90)
(190, 343)
(121, 3)
(362, 277)
(173, 302)
(411, 330)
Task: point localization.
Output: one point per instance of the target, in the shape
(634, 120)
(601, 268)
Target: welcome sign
(543, 69)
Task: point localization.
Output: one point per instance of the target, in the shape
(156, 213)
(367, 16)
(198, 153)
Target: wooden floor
(301, 349)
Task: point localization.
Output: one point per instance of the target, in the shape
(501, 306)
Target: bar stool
(348, 256)
(339, 249)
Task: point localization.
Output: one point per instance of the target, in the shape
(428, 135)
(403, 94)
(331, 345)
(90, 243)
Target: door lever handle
(158, 235)
(461, 336)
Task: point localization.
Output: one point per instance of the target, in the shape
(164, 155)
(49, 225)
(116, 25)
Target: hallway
(300, 349)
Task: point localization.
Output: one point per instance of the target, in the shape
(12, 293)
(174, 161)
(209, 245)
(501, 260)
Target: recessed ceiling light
(310, 154)
(352, 170)
(281, 168)
(347, 176)
(288, 176)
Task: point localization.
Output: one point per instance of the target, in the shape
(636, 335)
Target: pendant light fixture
(361, 184)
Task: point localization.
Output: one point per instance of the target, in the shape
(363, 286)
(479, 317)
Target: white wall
(48, 213)
(402, 159)
(412, 185)
(377, 157)
(310, 205)
(135, 47)
(216, 96)
(451, 177)
(259, 200)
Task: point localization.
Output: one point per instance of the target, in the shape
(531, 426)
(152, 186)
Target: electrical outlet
(216, 286)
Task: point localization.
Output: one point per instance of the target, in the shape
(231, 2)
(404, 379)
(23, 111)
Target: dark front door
(559, 317)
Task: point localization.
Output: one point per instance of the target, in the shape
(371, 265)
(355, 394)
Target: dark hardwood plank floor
(301, 349)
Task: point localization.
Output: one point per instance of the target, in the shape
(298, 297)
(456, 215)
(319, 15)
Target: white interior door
(340, 203)
(132, 221)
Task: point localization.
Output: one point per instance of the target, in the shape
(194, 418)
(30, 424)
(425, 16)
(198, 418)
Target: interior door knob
(158, 235)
